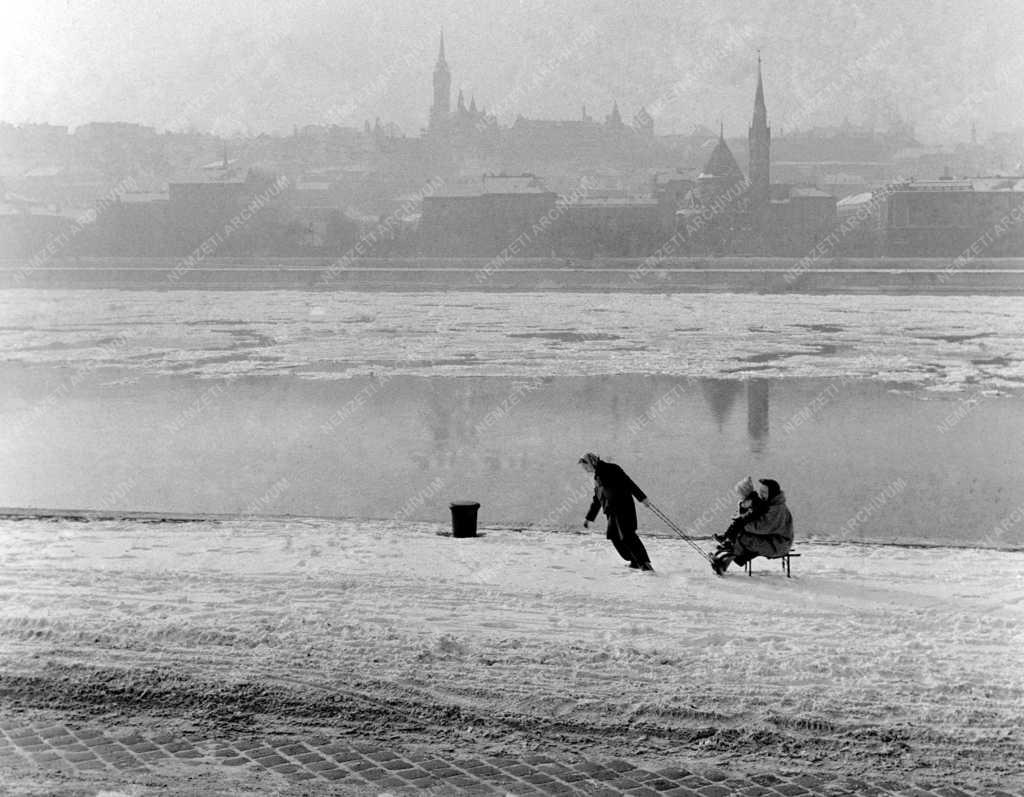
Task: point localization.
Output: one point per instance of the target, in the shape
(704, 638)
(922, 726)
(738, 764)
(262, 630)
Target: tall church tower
(760, 142)
(442, 88)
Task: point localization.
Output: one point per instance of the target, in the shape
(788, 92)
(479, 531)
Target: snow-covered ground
(870, 659)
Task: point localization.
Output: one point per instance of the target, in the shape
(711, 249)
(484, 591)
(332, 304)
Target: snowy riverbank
(870, 660)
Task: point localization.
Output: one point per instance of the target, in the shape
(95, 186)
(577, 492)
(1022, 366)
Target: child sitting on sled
(764, 526)
(748, 507)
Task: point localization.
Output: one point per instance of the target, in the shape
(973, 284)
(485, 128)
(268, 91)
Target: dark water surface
(859, 460)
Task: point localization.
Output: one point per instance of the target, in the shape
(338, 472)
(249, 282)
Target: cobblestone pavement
(352, 766)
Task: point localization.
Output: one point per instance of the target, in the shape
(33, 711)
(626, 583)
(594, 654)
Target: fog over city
(76, 61)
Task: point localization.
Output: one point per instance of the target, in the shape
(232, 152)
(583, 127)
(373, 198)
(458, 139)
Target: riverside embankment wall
(727, 274)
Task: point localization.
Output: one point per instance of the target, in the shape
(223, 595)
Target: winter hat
(744, 487)
(773, 487)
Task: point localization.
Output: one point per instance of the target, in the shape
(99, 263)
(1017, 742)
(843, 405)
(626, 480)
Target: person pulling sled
(614, 492)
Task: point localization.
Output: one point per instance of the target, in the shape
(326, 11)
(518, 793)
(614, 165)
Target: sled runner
(783, 556)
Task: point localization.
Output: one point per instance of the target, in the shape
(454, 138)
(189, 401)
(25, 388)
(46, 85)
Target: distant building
(720, 212)
(518, 216)
(199, 212)
(841, 184)
(981, 216)
(858, 217)
(671, 191)
(32, 229)
(797, 218)
(727, 213)
(597, 226)
(465, 124)
(61, 185)
(714, 217)
(468, 133)
(481, 220)
(946, 218)
(136, 225)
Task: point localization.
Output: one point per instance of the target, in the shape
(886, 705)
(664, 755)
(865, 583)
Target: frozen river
(884, 418)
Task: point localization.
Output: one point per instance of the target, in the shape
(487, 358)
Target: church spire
(759, 139)
(441, 106)
(760, 112)
(615, 118)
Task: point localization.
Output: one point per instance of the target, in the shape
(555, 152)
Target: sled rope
(689, 540)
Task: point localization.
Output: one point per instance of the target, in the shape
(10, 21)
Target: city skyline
(255, 69)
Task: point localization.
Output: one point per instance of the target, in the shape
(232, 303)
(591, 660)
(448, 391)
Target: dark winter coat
(770, 533)
(614, 492)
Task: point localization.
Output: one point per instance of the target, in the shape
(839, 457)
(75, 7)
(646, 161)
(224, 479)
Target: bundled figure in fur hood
(764, 526)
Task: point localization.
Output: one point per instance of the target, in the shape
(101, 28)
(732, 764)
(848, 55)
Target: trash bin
(464, 518)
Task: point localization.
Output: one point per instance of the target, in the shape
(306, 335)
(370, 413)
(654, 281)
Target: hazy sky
(259, 65)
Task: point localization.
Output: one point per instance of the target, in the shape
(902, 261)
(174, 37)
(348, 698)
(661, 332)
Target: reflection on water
(720, 395)
(407, 446)
(757, 413)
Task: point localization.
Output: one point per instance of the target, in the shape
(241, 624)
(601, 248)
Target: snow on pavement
(870, 659)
